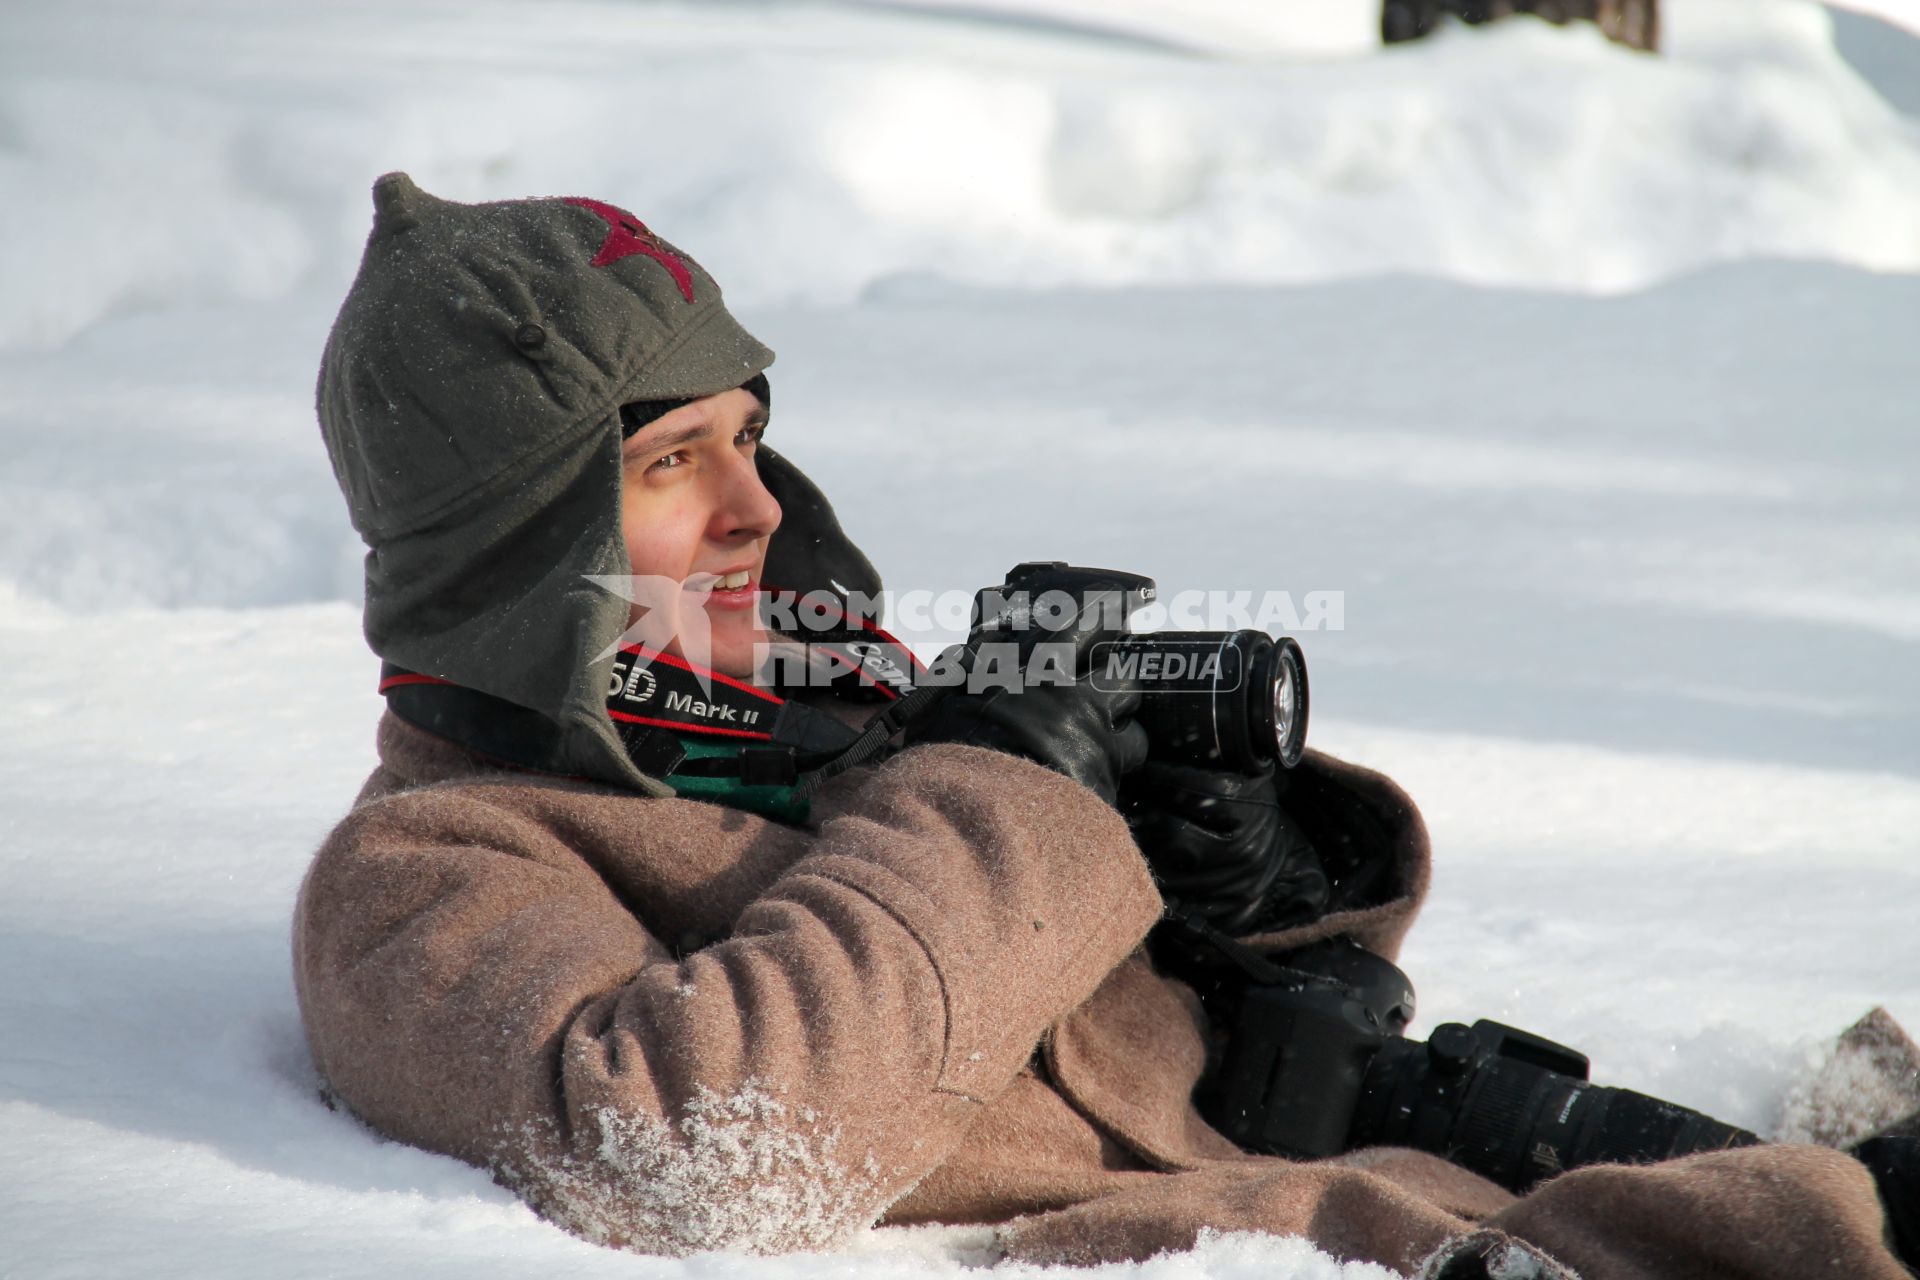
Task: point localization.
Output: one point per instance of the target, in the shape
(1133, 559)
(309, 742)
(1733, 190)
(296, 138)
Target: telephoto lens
(1517, 1109)
(1316, 1065)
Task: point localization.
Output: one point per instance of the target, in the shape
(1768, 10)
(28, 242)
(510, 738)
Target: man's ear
(810, 551)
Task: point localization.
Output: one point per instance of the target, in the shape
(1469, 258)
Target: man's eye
(668, 462)
(751, 434)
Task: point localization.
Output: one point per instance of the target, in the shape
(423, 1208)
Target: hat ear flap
(810, 551)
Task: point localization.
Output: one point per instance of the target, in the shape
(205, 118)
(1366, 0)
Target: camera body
(1233, 700)
(1316, 1065)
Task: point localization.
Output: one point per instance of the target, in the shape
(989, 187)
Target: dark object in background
(1635, 23)
(1316, 1065)
(812, 553)
(1894, 1162)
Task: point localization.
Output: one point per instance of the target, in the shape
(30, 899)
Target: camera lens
(1500, 1101)
(1277, 698)
(1289, 702)
(1283, 705)
(1219, 699)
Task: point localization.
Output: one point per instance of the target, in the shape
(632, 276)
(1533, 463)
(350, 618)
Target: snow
(678, 1185)
(1588, 378)
(1867, 1087)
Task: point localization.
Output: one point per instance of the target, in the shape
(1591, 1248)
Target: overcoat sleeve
(678, 1027)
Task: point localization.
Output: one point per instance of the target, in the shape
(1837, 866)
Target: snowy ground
(1590, 379)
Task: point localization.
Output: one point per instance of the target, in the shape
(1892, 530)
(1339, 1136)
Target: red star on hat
(627, 235)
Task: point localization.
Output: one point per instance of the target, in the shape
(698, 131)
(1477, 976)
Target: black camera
(1316, 1065)
(1232, 700)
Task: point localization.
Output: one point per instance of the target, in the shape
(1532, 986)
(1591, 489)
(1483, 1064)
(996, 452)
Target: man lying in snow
(917, 994)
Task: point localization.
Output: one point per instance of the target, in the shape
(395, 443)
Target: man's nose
(747, 510)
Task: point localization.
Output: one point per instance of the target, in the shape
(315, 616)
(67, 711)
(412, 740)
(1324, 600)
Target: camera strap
(1183, 919)
(764, 738)
(703, 732)
(777, 739)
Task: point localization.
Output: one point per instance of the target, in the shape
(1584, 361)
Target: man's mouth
(732, 589)
(730, 580)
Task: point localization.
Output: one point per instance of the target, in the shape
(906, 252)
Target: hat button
(529, 337)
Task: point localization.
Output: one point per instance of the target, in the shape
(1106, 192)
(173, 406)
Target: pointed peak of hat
(399, 204)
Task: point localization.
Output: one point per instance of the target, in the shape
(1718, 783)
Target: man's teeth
(733, 580)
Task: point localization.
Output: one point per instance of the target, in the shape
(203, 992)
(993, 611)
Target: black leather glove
(1072, 728)
(1222, 847)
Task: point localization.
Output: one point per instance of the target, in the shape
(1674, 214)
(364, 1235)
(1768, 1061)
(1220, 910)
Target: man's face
(697, 520)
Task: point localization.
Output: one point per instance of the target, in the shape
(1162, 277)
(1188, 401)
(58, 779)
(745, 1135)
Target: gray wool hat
(469, 398)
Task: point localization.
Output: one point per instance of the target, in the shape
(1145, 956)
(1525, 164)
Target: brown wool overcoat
(675, 1027)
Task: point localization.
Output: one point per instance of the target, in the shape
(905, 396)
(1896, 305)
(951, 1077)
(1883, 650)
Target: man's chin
(739, 669)
(738, 657)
